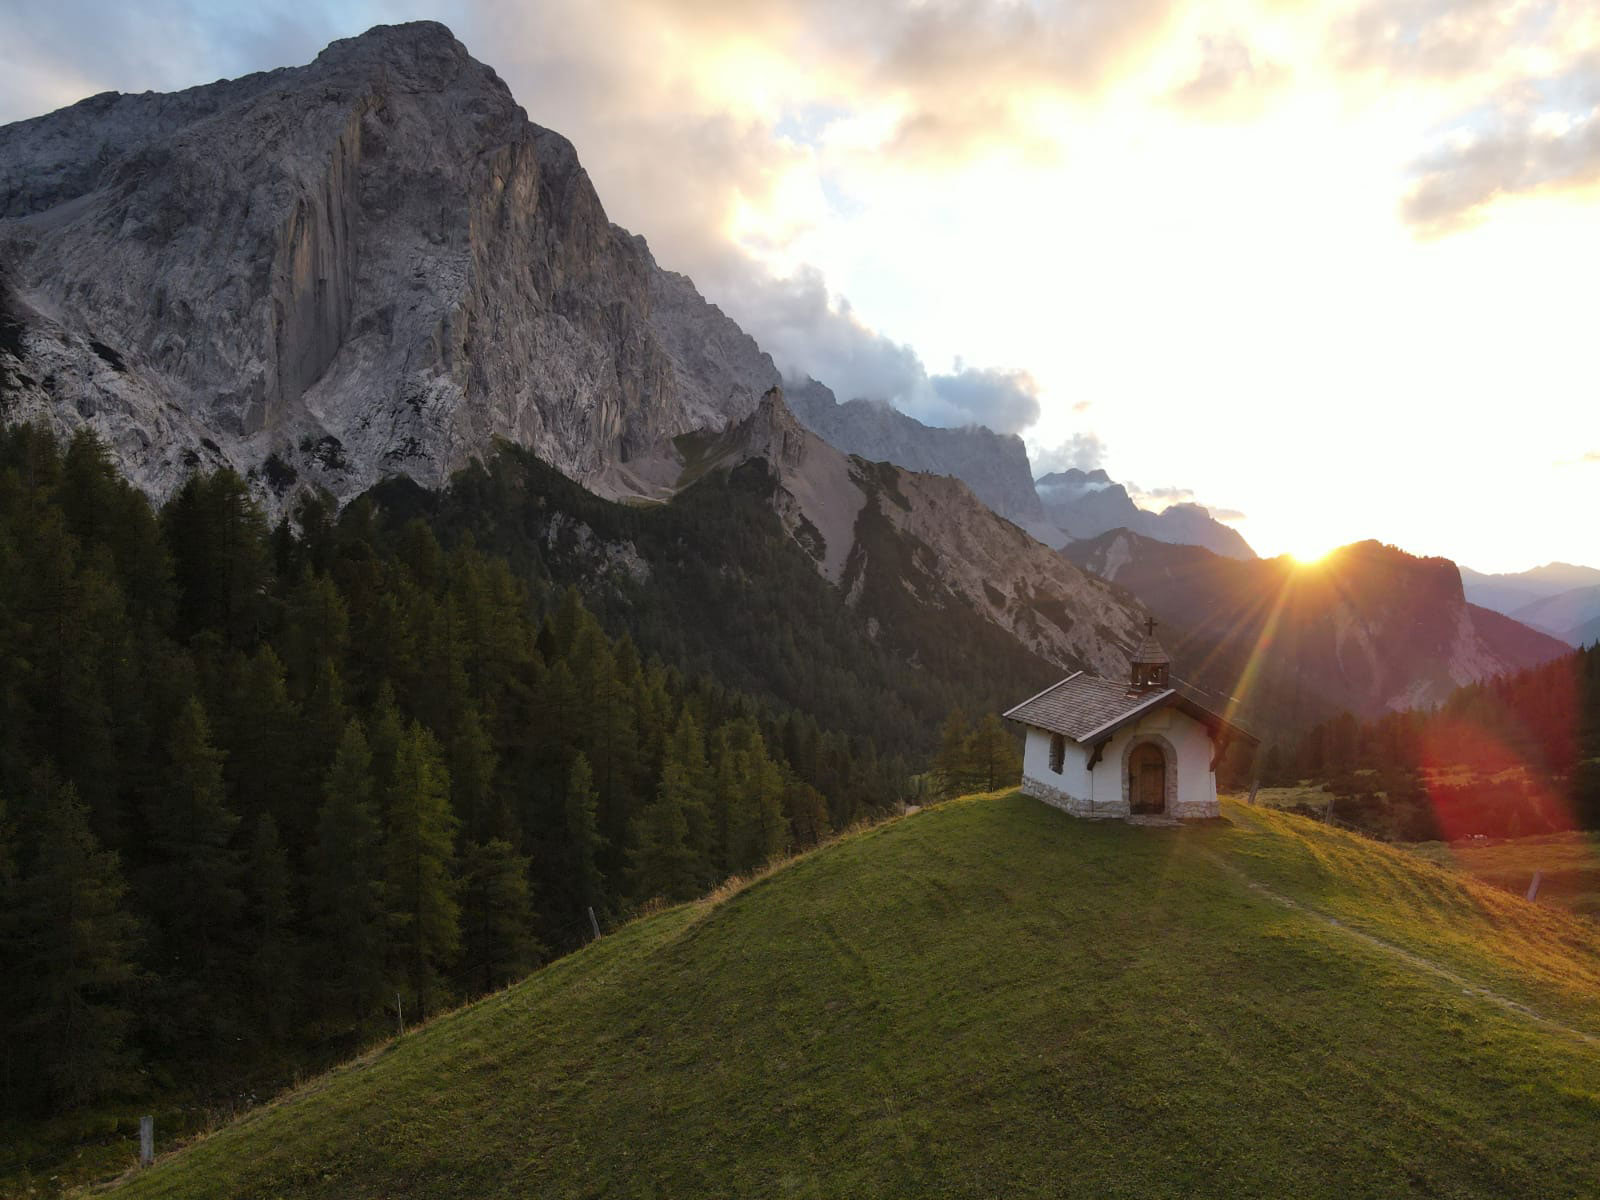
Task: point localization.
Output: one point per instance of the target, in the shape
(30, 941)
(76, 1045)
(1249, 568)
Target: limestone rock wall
(370, 264)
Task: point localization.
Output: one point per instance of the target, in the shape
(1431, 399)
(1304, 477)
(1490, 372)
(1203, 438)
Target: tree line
(260, 786)
(1512, 756)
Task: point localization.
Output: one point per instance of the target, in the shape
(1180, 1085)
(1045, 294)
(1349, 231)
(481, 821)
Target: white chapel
(1142, 748)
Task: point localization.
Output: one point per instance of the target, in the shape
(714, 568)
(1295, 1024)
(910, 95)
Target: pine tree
(419, 855)
(345, 889)
(496, 914)
(686, 751)
(218, 542)
(474, 798)
(192, 886)
(757, 829)
(271, 969)
(13, 997)
(75, 943)
(954, 764)
(387, 732)
(262, 767)
(583, 834)
(807, 812)
(662, 863)
(992, 752)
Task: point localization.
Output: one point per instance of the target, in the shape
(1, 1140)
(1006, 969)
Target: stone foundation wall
(1194, 811)
(1075, 805)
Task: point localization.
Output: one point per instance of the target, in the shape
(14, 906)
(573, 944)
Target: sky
(1328, 269)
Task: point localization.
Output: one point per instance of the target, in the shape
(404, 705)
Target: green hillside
(989, 998)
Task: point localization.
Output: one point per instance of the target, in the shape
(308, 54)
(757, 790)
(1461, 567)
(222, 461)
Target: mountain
(995, 466)
(917, 554)
(1086, 504)
(1057, 508)
(375, 265)
(991, 998)
(1368, 628)
(331, 273)
(1507, 593)
(1568, 615)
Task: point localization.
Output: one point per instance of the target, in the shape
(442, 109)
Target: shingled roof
(1087, 708)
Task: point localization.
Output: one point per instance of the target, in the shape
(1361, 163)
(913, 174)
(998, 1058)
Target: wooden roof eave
(1221, 729)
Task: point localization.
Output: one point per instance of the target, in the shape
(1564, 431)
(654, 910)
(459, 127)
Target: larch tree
(345, 889)
(192, 885)
(270, 969)
(662, 863)
(953, 763)
(497, 940)
(583, 835)
(419, 859)
(75, 944)
(992, 753)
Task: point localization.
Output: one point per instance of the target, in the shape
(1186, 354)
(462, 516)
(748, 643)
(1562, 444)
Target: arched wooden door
(1147, 779)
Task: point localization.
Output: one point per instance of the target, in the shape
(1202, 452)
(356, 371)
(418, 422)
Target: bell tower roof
(1150, 650)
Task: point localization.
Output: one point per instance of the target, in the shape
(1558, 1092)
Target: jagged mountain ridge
(1086, 504)
(995, 466)
(371, 264)
(1056, 508)
(1369, 628)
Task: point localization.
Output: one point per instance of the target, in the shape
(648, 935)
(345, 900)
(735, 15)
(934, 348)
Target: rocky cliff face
(371, 264)
(1369, 628)
(1086, 504)
(995, 466)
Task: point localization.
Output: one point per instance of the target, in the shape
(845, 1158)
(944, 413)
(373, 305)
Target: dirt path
(1411, 958)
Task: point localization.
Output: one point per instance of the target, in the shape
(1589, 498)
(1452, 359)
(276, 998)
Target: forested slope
(259, 786)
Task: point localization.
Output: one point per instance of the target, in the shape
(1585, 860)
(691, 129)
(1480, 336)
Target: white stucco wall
(1103, 792)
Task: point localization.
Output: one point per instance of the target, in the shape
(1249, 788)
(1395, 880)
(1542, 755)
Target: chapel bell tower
(1151, 666)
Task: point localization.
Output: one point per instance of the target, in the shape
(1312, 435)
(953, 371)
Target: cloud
(1521, 82)
(1007, 401)
(1438, 39)
(1159, 497)
(1585, 459)
(1540, 136)
(1231, 79)
(1082, 451)
(1226, 515)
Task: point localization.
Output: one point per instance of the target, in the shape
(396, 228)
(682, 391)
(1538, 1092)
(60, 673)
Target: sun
(1308, 557)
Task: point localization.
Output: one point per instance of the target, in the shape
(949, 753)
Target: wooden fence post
(594, 923)
(1533, 888)
(1253, 787)
(399, 1016)
(147, 1141)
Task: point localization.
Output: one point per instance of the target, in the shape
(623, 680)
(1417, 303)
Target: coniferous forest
(266, 790)
(1510, 757)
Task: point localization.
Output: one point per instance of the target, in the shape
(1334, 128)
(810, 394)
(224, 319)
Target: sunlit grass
(1568, 865)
